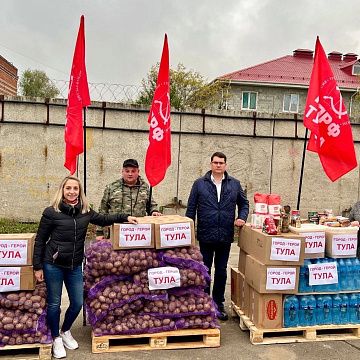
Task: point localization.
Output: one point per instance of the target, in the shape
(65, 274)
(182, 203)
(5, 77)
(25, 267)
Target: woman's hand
(132, 220)
(354, 223)
(39, 275)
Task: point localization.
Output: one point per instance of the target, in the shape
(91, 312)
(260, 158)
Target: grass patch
(9, 226)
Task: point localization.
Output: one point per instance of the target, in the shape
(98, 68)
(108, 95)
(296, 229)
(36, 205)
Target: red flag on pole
(158, 155)
(326, 117)
(78, 98)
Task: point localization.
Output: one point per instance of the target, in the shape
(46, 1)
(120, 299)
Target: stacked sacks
(23, 317)
(119, 299)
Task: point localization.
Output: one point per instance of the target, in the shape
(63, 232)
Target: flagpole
(148, 203)
(84, 150)
(302, 170)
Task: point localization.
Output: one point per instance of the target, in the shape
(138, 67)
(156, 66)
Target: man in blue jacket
(214, 198)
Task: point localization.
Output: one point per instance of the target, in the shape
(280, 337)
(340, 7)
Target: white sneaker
(58, 349)
(68, 340)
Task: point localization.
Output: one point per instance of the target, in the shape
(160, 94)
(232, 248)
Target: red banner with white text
(158, 155)
(78, 98)
(326, 117)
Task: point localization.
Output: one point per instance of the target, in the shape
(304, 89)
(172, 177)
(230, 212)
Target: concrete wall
(32, 156)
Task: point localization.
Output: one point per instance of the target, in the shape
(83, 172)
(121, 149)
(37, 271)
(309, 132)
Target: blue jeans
(219, 254)
(55, 276)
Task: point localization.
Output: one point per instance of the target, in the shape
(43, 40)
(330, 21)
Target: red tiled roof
(293, 70)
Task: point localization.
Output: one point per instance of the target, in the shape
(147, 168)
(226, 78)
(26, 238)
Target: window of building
(291, 103)
(249, 99)
(356, 69)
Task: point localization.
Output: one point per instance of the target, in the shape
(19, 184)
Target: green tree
(36, 83)
(188, 89)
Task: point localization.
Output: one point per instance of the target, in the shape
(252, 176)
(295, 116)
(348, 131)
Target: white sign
(165, 277)
(178, 234)
(9, 279)
(13, 252)
(344, 244)
(315, 242)
(280, 278)
(321, 274)
(135, 235)
(285, 249)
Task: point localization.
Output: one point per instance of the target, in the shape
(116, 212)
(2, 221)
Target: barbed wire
(117, 93)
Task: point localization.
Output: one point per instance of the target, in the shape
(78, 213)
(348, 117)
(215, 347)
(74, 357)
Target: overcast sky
(125, 37)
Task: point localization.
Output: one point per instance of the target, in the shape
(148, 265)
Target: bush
(8, 226)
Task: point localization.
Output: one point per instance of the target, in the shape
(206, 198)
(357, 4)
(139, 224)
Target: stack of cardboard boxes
(268, 268)
(16, 272)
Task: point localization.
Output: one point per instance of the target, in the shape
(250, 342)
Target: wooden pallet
(177, 339)
(295, 334)
(26, 352)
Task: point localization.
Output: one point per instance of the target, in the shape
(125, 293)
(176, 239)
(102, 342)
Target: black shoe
(222, 315)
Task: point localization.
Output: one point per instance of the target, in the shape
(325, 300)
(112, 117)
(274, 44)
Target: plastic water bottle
(323, 309)
(333, 287)
(350, 273)
(323, 287)
(336, 308)
(307, 312)
(356, 265)
(344, 309)
(354, 307)
(291, 311)
(343, 279)
(304, 286)
(327, 309)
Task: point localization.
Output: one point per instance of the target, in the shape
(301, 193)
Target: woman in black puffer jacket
(59, 252)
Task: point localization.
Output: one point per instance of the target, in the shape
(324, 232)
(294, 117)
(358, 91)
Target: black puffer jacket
(61, 235)
(215, 219)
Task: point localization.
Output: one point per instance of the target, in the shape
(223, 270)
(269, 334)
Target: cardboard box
(242, 261)
(284, 249)
(235, 283)
(16, 278)
(246, 300)
(341, 242)
(314, 239)
(129, 236)
(16, 249)
(173, 231)
(240, 290)
(266, 310)
(271, 278)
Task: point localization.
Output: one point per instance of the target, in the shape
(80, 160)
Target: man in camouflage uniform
(128, 195)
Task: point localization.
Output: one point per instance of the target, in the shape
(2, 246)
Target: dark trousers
(219, 255)
(55, 277)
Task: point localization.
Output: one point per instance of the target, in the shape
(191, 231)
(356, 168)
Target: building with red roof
(279, 86)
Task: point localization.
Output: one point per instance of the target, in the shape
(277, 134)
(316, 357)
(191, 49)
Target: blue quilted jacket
(215, 220)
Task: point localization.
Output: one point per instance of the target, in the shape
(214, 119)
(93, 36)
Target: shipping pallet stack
(270, 267)
(20, 300)
(153, 269)
(177, 339)
(26, 352)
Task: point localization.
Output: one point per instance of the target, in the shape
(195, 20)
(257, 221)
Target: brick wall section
(8, 78)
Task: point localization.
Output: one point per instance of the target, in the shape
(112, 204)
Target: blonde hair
(59, 196)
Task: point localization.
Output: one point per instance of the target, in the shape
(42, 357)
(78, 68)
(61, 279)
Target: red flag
(326, 117)
(78, 98)
(158, 155)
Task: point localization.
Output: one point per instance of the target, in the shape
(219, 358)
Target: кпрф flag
(158, 155)
(78, 98)
(327, 119)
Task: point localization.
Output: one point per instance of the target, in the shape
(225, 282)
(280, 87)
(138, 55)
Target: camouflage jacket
(121, 198)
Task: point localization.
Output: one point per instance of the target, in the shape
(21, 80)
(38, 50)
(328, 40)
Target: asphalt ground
(235, 343)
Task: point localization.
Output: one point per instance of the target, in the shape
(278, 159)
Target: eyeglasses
(218, 163)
